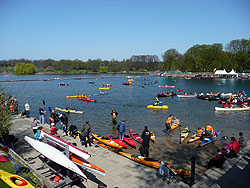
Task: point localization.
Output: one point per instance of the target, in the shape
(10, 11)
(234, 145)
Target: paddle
(44, 114)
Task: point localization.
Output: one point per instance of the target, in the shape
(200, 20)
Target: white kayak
(54, 155)
(232, 109)
(187, 96)
(62, 143)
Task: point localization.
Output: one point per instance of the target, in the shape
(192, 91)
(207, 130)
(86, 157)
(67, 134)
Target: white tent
(225, 74)
(221, 72)
(233, 73)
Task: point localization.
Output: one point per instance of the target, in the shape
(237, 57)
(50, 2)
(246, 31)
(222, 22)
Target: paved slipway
(122, 172)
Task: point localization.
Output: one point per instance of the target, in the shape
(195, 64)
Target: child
(53, 129)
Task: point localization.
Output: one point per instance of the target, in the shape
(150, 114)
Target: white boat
(232, 109)
(167, 86)
(187, 96)
(54, 155)
(63, 143)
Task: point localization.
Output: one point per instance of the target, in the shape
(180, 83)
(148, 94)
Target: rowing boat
(232, 109)
(71, 111)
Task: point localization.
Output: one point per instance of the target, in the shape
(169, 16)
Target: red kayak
(178, 90)
(117, 140)
(135, 136)
(107, 85)
(129, 141)
(88, 100)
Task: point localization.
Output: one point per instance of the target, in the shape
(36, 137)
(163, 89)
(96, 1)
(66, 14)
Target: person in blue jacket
(121, 130)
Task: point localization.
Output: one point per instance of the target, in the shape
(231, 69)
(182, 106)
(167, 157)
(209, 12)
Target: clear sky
(106, 29)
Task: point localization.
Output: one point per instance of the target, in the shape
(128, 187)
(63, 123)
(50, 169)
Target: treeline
(235, 55)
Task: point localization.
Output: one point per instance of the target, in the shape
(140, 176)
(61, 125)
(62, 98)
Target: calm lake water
(131, 102)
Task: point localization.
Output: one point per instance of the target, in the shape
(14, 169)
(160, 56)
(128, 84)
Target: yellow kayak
(174, 126)
(103, 88)
(194, 138)
(71, 111)
(153, 163)
(152, 137)
(14, 181)
(157, 107)
(184, 135)
(107, 141)
(76, 96)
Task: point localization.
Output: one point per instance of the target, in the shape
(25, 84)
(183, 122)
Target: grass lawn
(9, 167)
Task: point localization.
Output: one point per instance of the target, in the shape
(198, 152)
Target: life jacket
(209, 128)
(199, 131)
(231, 105)
(114, 115)
(243, 105)
(53, 129)
(11, 107)
(213, 133)
(169, 120)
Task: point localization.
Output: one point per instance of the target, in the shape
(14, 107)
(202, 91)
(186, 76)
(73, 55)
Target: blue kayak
(208, 140)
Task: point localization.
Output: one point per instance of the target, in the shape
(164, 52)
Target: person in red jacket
(235, 148)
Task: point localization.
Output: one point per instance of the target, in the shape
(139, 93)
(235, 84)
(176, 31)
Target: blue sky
(106, 29)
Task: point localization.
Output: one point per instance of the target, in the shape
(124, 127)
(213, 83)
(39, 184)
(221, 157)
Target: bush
(22, 68)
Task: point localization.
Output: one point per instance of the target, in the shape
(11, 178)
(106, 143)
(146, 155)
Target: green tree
(171, 59)
(22, 68)
(103, 69)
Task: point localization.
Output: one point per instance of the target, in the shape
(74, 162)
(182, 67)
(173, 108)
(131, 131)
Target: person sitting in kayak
(163, 93)
(156, 101)
(209, 130)
(231, 105)
(242, 105)
(199, 131)
(68, 108)
(224, 104)
(185, 93)
(167, 93)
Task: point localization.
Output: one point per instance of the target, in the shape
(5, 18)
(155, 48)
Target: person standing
(64, 122)
(27, 109)
(34, 125)
(242, 140)
(41, 114)
(86, 129)
(168, 124)
(145, 142)
(121, 130)
(114, 115)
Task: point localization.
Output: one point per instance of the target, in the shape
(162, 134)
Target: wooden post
(192, 170)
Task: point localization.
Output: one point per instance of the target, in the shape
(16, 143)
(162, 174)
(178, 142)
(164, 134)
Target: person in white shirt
(27, 109)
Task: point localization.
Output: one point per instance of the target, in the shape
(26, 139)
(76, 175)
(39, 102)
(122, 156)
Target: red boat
(117, 140)
(87, 100)
(125, 83)
(129, 140)
(135, 136)
(178, 90)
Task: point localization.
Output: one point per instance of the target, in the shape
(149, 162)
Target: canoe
(152, 137)
(71, 111)
(157, 107)
(14, 181)
(129, 140)
(186, 96)
(232, 109)
(62, 143)
(184, 135)
(135, 136)
(167, 86)
(76, 96)
(208, 140)
(153, 163)
(194, 138)
(117, 140)
(107, 141)
(175, 125)
(104, 88)
(86, 165)
(54, 155)
(87, 100)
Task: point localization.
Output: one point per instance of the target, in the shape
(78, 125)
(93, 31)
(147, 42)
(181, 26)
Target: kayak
(87, 100)
(71, 111)
(232, 109)
(194, 138)
(135, 136)
(91, 82)
(153, 163)
(129, 140)
(76, 96)
(107, 85)
(103, 88)
(125, 83)
(166, 95)
(107, 141)
(208, 140)
(157, 107)
(178, 90)
(14, 181)
(117, 140)
(62, 84)
(167, 86)
(174, 125)
(87, 165)
(184, 135)
(98, 143)
(152, 137)
(187, 96)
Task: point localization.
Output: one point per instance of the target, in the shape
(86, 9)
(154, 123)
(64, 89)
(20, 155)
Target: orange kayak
(107, 141)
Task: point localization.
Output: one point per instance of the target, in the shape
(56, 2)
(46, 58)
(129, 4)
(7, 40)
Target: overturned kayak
(153, 163)
(13, 180)
(232, 109)
(208, 140)
(107, 141)
(71, 111)
(157, 107)
(135, 136)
